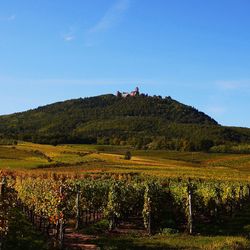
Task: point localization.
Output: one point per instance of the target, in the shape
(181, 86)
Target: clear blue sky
(198, 52)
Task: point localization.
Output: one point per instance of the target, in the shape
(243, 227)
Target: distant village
(136, 92)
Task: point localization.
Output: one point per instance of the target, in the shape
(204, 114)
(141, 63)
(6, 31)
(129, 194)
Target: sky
(196, 51)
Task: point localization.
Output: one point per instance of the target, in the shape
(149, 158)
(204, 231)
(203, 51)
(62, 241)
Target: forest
(144, 122)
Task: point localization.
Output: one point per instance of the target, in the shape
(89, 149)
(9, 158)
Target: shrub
(127, 155)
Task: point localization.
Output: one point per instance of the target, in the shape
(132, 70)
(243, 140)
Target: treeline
(142, 122)
(235, 149)
(4, 141)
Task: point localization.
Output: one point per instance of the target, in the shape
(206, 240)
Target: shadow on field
(121, 243)
(237, 224)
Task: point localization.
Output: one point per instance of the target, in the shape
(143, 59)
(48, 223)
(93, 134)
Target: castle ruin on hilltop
(126, 94)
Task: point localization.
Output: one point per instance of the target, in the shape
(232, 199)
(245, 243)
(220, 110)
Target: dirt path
(79, 241)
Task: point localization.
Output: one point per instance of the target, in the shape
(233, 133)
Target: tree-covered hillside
(141, 121)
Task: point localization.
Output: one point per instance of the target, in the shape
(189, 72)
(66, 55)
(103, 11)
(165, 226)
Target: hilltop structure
(126, 94)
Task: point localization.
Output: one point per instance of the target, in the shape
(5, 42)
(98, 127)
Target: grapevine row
(180, 204)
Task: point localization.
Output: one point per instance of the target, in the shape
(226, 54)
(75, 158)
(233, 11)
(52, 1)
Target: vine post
(147, 210)
(149, 222)
(240, 197)
(77, 209)
(2, 186)
(248, 193)
(190, 214)
(61, 236)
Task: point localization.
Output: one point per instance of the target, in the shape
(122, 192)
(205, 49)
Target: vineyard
(83, 160)
(56, 205)
(91, 197)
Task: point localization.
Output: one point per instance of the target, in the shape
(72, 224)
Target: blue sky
(197, 52)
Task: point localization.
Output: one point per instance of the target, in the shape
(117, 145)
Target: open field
(88, 159)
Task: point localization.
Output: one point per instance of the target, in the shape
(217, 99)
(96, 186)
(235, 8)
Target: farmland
(89, 159)
(104, 179)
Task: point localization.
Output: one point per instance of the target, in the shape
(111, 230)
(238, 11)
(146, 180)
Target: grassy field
(174, 242)
(88, 159)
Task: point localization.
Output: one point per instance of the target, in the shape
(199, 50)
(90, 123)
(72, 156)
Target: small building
(126, 94)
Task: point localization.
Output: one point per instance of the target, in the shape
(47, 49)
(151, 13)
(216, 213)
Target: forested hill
(141, 121)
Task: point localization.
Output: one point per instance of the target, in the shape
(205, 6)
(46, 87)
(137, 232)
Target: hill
(142, 121)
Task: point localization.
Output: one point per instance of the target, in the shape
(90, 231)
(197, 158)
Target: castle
(126, 94)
